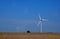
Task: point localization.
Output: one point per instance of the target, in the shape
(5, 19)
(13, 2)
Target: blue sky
(22, 15)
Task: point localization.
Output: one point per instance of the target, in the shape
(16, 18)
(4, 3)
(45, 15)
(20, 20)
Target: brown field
(29, 36)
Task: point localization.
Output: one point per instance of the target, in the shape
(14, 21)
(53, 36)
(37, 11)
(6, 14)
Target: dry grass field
(29, 36)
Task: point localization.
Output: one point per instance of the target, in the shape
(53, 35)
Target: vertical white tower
(17, 28)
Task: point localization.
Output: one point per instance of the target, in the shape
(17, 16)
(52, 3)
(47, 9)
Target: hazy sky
(22, 15)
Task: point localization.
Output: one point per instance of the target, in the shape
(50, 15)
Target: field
(29, 35)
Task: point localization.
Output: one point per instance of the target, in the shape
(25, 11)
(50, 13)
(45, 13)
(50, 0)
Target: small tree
(28, 31)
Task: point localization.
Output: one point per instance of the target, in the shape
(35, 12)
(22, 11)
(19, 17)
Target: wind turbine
(40, 22)
(17, 28)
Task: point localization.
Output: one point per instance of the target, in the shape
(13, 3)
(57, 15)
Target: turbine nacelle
(43, 20)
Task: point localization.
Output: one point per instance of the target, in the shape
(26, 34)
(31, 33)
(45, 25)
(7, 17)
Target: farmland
(13, 35)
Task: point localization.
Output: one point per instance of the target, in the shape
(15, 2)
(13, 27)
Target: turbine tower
(17, 28)
(40, 22)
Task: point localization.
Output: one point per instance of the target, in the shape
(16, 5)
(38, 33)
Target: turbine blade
(43, 19)
(39, 23)
(39, 17)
